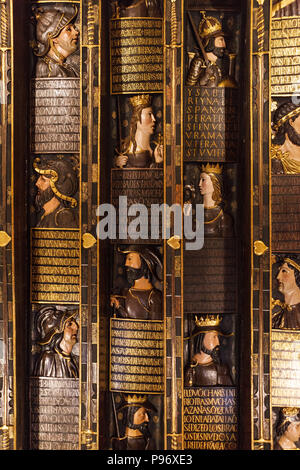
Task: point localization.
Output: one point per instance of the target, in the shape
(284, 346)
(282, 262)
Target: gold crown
(138, 100)
(209, 320)
(209, 26)
(211, 168)
(290, 411)
(130, 399)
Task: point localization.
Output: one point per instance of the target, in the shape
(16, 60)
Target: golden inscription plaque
(55, 266)
(285, 56)
(136, 356)
(136, 52)
(285, 368)
(210, 418)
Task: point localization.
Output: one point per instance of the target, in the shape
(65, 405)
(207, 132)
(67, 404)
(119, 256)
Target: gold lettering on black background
(136, 49)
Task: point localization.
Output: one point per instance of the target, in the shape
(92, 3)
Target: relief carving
(285, 149)
(206, 368)
(286, 314)
(57, 40)
(57, 185)
(136, 411)
(57, 329)
(138, 151)
(142, 300)
(288, 429)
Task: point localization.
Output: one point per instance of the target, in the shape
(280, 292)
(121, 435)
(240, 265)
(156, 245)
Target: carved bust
(57, 185)
(285, 149)
(288, 429)
(206, 368)
(138, 151)
(217, 223)
(142, 300)
(56, 39)
(287, 314)
(57, 329)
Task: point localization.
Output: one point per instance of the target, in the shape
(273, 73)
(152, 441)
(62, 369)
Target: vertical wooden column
(260, 225)
(90, 199)
(6, 234)
(173, 253)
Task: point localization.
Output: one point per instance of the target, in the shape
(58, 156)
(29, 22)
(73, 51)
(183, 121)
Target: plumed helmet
(50, 321)
(150, 257)
(49, 24)
(63, 177)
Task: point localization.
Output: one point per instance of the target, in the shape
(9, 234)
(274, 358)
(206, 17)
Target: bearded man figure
(136, 410)
(56, 40)
(206, 368)
(285, 148)
(57, 184)
(142, 300)
(208, 73)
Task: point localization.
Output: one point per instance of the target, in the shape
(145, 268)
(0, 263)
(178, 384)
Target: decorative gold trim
(88, 240)
(4, 239)
(174, 242)
(260, 248)
(280, 5)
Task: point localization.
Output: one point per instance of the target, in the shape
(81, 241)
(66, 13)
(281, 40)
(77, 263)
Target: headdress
(151, 259)
(209, 27)
(49, 24)
(288, 415)
(211, 168)
(138, 100)
(62, 176)
(137, 400)
(207, 323)
(51, 321)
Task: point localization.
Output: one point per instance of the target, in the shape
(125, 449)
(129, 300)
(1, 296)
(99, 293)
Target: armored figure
(206, 71)
(136, 416)
(217, 223)
(206, 368)
(136, 8)
(285, 148)
(138, 151)
(57, 329)
(288, 278)
(57, 184)
(142, 300)
(288, 429)
(57, 39)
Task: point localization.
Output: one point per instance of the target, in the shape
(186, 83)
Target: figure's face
(70, 331)
(147, 122)
(293, 432)
(286, 279)
(133, 260)
(296, 124)
(205, 184)
(42, 183)
(211, 340)
(67, 40)
(141, 416)
(220, 42)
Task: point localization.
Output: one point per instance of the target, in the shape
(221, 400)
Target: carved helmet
(151, 258)
(49, 24)
(63, 177)
(288, 415)
(51, 321)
